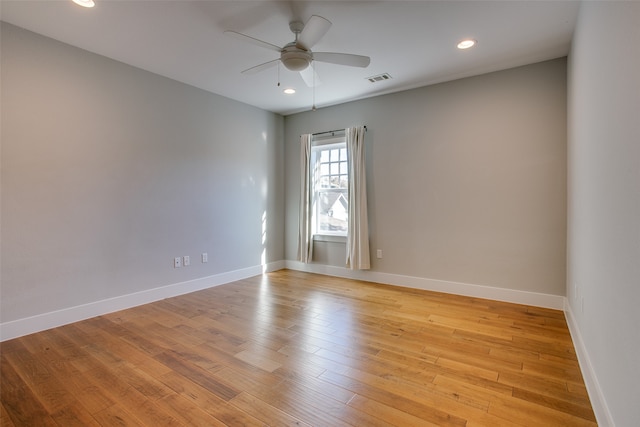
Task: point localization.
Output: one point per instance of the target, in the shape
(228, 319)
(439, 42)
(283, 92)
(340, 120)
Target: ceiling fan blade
(310, 76)
(252, 40)
(342, 59)
(261, 67)
(313, 30)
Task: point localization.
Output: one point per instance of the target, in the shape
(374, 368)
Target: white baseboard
(598, 402)
(478, 291)
(20, 327)
(41, 322)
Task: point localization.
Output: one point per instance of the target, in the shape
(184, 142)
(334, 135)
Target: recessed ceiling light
(84, 3)
(289, 91)
(466, 44)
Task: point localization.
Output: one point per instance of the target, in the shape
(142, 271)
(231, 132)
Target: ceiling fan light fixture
(84, 3)
(466, 44)
(295, 60)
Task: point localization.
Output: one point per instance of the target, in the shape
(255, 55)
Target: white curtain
(358, 231)
(305, 237)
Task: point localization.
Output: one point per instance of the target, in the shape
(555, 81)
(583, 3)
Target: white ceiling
(413, 41)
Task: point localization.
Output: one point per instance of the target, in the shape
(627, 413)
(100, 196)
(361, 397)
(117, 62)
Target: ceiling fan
(297, 55)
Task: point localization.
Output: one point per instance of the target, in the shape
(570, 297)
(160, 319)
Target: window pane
(324, 156)
(335, 168)
(324, 169)
(344, 181)
(343, 154)
(344, 168)
(335, 155)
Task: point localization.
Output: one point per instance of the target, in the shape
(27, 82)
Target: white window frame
(318, 145)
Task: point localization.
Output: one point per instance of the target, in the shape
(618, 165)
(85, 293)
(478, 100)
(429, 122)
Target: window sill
(329, 238)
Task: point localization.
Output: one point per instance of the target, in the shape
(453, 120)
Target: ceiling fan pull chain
(313, 91)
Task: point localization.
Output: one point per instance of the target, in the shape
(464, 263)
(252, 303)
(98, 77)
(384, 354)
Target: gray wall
(603, 284)
(467, 179)
(109, 172)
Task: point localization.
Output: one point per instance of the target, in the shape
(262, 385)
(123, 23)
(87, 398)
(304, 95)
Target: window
(330, 180)
(333, 195)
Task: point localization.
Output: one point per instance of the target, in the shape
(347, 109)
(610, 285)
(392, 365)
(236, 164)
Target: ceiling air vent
(379, 78)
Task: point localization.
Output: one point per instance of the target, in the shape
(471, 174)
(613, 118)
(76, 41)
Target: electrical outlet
(177, 262)
(205, 257)
(379, 253)
(186, 260)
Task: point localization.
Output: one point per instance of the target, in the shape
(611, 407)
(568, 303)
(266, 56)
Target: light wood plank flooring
(297, 349)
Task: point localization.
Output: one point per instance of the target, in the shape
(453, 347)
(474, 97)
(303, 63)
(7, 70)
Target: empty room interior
(170, 256)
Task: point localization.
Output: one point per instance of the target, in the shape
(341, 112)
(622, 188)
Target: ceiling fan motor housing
(294, 58)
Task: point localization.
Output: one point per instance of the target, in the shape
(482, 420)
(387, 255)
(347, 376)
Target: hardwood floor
(298, 349)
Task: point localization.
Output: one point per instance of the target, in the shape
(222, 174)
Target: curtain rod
(332, 131)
